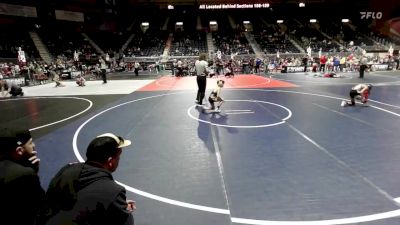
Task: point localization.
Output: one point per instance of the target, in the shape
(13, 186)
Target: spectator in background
(322, 62)
(103, 69)
(137, 66)
(314, 66)
(86, 193)
(25, 73)
(179, 67)
(157, 66)
(173, 67)
(258, 64)
(251, 65)
(336, 64)
(229, 69)
(219, 66)
(342, 64)
(305, 63)
(20, 191)
(363, 67)
(397, 61)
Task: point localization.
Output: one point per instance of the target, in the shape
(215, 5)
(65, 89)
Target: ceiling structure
(211, 2)
(124, 8)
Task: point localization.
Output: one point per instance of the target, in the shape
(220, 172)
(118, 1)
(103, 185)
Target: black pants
(322, 68)
(362, 69)
(201, 83)
(212, 102)
(353, 94)
(103, 75)
(15, 91)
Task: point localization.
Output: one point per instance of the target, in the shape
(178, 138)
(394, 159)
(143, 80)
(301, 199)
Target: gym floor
(282, 151)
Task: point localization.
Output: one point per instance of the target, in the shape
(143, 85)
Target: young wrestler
(329, 75)
(80, 81)
(215, 97)
(56, 78)
(361, 90)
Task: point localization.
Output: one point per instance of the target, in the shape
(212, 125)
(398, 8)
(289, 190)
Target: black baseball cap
(11, 138)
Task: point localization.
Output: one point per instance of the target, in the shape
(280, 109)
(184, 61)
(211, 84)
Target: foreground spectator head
(106, 149)
(19, 181)
(86, 193)
(16, 144)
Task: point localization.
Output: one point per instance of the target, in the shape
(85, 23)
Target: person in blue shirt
(336, 64)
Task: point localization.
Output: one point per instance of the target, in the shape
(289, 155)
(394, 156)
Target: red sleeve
(365, 94)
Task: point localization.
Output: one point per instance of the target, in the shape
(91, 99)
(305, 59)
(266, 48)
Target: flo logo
(371, 15)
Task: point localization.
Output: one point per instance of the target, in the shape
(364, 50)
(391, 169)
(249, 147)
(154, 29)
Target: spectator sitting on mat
(10, 88)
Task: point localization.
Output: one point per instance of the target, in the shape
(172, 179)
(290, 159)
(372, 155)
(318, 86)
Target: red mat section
(239, 81)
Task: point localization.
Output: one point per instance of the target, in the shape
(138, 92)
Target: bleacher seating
(63, 41)
(188, 44)
(272, 39)
(146, 44)
(12, 39)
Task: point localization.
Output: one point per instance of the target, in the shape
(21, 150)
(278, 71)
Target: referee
(201, 71)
